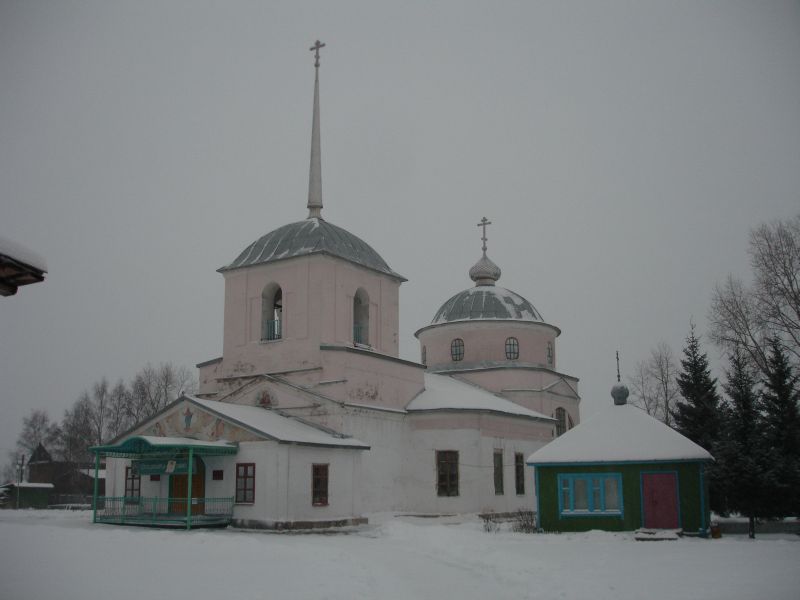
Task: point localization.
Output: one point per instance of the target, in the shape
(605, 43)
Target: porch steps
(656, 535)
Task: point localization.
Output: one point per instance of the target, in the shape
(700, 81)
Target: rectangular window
(245, 483)
(447, 472)
(217, 475)
(133, 483)
(519, 473)
(590, 494)
(319, 485)
(498, 472)
(155, 477)
(612, 494)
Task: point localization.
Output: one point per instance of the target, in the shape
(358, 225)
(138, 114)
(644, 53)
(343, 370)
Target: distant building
(621, 470)
(70, 483)
(310, 417)
(25, 495)
(18, 266)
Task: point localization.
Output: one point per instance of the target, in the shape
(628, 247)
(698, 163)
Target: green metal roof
(312, 236)
(146, 445)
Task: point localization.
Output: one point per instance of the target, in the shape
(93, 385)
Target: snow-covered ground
(60, 554)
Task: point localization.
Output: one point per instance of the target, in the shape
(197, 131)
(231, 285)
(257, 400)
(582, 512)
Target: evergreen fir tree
(742, 461)
(698, 414)
(780, 399)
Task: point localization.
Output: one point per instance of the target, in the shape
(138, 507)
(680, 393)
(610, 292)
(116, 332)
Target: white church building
(310, 417)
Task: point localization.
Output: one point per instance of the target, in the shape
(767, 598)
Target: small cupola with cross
(484, 272)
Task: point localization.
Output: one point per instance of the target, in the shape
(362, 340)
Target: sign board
(158, 467)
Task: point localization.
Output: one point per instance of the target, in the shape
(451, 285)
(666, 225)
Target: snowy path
(51, 554)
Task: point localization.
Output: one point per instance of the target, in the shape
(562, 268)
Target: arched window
(561, 421)
(424, 355)
(361, 317)
(457, 349)
(550, 353)
(512, 348)
(272, 312)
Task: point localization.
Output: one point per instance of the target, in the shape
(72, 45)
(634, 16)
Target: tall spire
(315, 172)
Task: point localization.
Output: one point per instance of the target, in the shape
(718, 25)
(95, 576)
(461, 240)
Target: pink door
(660, 500)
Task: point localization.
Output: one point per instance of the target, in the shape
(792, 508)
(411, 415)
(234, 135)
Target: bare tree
(749, 317)
(119, 399)
(654, 387)
(775, 258)
(644, 395)
(144, 394)
(735, 322)
(78, 430)
(101, 406)
(153, 388)
(10, 470)
(37, 429)
(664, 371)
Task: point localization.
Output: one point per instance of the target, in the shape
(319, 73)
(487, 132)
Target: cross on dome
(484, 222)
(484, 272)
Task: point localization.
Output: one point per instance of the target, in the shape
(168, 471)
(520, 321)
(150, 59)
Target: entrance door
(179, 486)
(660, 500)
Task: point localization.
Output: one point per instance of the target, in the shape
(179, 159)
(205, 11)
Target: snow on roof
(443, 392)
(155, 440)
(275, 425)
(622, 433)
(22, 254)
(101, 474)
(28, 484)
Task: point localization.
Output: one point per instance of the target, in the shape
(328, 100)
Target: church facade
(310, 416)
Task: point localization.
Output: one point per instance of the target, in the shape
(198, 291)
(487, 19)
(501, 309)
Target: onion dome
(620, 394)
(312, 236)
(484, 272)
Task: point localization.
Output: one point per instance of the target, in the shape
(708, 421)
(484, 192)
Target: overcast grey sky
(622, 151)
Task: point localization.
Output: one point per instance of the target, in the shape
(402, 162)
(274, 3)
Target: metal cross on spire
(618, 378)
(484, 222)
(315, 171)
(315, 48)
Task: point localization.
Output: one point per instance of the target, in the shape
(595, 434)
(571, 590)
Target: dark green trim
(138, 446)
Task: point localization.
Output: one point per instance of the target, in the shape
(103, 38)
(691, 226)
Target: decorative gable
(190, 421)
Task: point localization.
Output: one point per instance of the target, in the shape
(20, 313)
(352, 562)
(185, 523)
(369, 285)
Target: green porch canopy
(153, 446)
(174, 455)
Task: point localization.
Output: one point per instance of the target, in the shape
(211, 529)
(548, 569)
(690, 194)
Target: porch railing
(163, 510)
